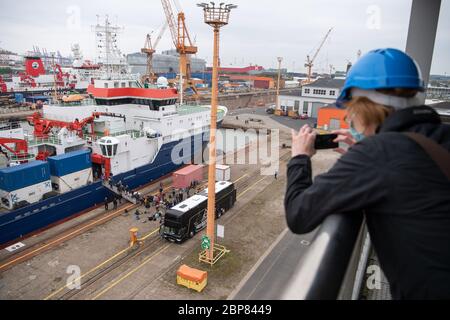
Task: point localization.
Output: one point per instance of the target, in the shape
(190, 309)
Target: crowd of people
(159, 202)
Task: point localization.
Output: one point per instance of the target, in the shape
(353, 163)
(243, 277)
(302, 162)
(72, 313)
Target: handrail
(323, 268)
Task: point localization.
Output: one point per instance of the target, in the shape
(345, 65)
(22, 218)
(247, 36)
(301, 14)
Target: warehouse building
(312, 97)
(167, 62)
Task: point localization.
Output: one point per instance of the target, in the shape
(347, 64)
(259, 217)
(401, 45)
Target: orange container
(327, 114)
(192, 278)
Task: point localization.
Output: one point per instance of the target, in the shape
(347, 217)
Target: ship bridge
(118, 92)
(337, 260)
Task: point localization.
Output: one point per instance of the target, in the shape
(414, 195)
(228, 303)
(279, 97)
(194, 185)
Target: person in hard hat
(387, 173)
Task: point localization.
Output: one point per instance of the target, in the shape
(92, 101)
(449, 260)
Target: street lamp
(280, 59)
(216, 16)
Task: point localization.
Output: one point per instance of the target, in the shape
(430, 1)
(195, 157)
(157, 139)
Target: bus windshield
(171, 231)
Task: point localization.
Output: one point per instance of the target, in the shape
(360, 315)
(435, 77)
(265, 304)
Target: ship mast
(108, 53)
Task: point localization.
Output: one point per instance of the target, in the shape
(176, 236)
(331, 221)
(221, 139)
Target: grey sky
(258, 32)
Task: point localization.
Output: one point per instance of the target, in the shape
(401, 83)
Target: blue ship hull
(20, 222)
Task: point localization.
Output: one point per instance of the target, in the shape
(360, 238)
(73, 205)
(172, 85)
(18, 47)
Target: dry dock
(110, 270)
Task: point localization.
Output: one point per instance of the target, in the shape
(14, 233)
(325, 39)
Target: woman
(385, 174)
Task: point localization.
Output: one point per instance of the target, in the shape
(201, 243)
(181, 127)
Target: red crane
(3, 87)
(20, 149)
(42, 127)
(182, 42)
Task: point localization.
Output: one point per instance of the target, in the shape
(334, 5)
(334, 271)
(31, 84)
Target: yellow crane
(149, 49)
(310, 62)
(182, 42)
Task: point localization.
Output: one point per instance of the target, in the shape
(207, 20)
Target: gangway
(123, 194)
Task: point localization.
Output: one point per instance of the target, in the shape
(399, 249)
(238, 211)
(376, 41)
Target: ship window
(124, 85)
(109, 148)
(103, 148)
(116, 84)
(106, 85)
(115, 149)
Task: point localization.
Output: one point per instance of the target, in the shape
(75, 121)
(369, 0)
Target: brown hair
(369, 112)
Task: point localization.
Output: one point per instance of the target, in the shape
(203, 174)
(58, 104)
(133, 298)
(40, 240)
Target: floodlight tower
(280, 59)
(216, 16)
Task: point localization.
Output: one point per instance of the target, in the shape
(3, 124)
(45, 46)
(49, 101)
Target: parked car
(304, 116)
(271, 109)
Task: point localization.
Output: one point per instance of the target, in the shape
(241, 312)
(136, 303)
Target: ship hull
(21, 222)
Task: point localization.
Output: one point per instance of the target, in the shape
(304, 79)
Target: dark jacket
(404, 195)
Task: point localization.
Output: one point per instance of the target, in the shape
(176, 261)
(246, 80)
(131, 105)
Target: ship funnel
(34, 66)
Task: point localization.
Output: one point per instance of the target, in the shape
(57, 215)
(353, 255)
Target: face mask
(358, 136)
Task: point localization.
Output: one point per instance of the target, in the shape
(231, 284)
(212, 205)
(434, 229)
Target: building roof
(327, 83)
(293, 93)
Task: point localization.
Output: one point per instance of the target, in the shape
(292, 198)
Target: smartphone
(325, 141)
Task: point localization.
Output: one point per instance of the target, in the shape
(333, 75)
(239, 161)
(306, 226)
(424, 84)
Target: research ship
(37, 80)
(123, 131)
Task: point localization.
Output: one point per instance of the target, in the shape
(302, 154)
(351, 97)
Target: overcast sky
(259, 30)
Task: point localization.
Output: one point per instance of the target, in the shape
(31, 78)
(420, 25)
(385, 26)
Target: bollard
(133, 236)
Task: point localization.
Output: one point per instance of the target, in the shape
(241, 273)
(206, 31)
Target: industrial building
(167, 62)
(311, 97)
(250, 81)
(438, 93)
(240, 70)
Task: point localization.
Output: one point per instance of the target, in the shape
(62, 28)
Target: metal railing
(326, 264)
(329, 266)
(33, 141)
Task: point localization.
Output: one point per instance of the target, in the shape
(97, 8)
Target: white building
(312, 96)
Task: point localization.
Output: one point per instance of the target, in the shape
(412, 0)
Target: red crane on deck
(20, 149)
(42, 127)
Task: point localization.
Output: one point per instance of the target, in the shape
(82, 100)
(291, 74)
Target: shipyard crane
(42, 127)
(149, 49)
(310, 62)
(182, 42)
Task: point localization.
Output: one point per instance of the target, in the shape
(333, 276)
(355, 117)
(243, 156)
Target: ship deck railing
(35, 141)
(134, 134)
(187, 109)
(85, 102)
(52, 140)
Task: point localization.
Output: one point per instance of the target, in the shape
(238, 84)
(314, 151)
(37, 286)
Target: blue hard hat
(382, 69)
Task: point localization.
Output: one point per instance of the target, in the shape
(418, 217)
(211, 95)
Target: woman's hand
(345, 137)
(303, 142)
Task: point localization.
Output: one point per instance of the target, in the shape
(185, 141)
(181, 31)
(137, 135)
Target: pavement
(285, 121)
(273, 272)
